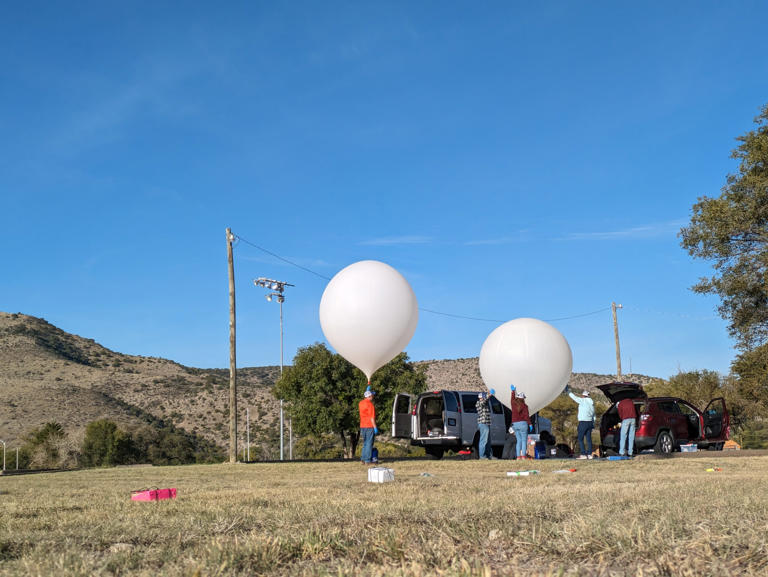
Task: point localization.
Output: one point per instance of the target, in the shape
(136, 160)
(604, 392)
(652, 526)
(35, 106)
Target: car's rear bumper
(611, 441)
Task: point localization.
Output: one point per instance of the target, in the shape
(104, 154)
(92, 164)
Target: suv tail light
(413, 412)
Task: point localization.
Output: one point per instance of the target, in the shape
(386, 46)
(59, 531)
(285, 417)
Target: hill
(47, 374)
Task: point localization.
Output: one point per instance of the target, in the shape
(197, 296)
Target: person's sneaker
(590, 456)
(582, 456)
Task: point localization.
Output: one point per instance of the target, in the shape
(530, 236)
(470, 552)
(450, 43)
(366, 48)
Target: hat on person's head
(520, 394)
(584, 393)
(368, 394)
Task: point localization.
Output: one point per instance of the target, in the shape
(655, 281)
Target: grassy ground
(645, 517)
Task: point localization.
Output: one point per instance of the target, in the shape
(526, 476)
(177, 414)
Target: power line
(281, 258)
(277, 256)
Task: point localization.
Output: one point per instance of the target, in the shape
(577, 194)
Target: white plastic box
(380, 475)
(692, 448)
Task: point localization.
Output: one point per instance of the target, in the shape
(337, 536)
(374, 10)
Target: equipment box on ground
(692, 448)
(380, 475)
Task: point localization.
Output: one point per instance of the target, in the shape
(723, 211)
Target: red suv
(664, 423)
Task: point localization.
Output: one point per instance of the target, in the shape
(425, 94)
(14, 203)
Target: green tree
(48, 447)
(751, 368)
(323, 390)
(696, 387)
(731, 231)
(106, 445)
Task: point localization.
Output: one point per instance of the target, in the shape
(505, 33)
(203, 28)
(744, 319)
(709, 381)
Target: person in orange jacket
(368, 429)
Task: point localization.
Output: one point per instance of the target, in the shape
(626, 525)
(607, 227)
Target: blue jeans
(483, 448)
(367, 437)
(521, 436)
(585, 432)
(627, 432)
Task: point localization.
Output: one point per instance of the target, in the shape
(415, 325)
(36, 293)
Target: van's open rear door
(401, 415)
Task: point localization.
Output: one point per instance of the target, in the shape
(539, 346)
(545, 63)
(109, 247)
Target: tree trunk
(354, 438)
(344, 445)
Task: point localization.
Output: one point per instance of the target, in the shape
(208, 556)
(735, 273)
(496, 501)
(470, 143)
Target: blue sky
(510, 159)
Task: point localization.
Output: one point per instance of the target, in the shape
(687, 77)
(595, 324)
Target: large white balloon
(530, 354)
(368, 314)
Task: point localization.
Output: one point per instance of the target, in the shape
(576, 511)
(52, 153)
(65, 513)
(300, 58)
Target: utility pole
(614, 306)
(232, 358)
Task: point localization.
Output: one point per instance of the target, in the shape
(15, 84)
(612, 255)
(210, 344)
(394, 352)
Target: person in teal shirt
(586, 418)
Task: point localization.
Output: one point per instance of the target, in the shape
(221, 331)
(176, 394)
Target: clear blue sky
(510, 159)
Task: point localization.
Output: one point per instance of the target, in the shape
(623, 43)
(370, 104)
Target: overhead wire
(434, 312)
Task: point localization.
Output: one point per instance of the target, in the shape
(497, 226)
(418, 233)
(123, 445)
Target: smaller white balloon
(368, 313)
(529, 354)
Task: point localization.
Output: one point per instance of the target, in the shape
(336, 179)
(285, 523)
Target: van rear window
(451, 401)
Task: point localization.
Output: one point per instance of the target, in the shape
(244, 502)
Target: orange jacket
(367, 414)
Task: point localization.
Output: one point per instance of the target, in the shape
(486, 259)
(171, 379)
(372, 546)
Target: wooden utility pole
(232, 358)
(614, 306)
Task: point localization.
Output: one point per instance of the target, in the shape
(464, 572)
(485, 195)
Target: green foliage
(47, 447)
(731, 231)
(751, 367)
(106, 445)
(323, 390)
(696, 387)
(563, 412)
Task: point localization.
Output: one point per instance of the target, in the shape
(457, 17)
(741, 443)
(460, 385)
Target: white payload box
(380, 475)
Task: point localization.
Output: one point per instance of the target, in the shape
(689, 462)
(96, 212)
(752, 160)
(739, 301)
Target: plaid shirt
(483, 413)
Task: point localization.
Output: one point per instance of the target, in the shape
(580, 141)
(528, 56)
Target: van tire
(665, 444)
(435, 453)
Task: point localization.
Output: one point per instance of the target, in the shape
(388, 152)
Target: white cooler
(380, 475)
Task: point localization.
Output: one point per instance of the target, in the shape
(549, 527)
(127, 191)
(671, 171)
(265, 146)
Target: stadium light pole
(277, 287)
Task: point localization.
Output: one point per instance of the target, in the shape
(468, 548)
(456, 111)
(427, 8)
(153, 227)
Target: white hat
(520, 394)
(584, 393)
(368, 394)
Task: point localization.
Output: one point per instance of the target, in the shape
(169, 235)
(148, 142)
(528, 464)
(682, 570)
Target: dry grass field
(644, 517)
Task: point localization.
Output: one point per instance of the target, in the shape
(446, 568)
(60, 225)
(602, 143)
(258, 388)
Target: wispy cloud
(397, 240)
(496, 241)
(653, 230)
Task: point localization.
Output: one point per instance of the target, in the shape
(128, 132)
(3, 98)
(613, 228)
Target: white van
(447, 420)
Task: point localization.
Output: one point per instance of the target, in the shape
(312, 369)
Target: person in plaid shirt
(483, 426)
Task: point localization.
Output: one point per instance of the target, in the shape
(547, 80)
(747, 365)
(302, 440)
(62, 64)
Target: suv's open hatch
(618, 391)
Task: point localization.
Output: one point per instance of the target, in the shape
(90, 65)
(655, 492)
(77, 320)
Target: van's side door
(468, 417)
(401, 415)
(452, 422)
(498, 430)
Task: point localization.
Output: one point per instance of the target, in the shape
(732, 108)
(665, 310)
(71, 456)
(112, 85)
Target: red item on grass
(153, 494)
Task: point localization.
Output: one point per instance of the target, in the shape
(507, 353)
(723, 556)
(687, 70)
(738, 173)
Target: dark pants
(585, 431)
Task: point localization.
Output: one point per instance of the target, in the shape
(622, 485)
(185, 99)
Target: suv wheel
(664, 443)
(434, 452)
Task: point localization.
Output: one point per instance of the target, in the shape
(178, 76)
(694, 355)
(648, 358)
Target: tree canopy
(323, 390)
(731, 231)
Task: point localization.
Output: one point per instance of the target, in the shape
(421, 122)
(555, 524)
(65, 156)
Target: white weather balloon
(368, 314)
(530, 354)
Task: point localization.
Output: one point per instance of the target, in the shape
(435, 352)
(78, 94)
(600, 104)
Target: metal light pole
(277, 287)
(3, 442)
(614, 306)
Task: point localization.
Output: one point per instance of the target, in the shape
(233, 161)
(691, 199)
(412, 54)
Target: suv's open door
(716, 421)
(401, 415)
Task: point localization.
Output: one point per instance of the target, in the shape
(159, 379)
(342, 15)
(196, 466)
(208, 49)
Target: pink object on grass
(153, 494)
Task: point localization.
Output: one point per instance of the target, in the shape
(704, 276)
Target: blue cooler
(540, 450)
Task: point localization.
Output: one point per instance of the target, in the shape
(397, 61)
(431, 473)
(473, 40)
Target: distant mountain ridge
(47, 374)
